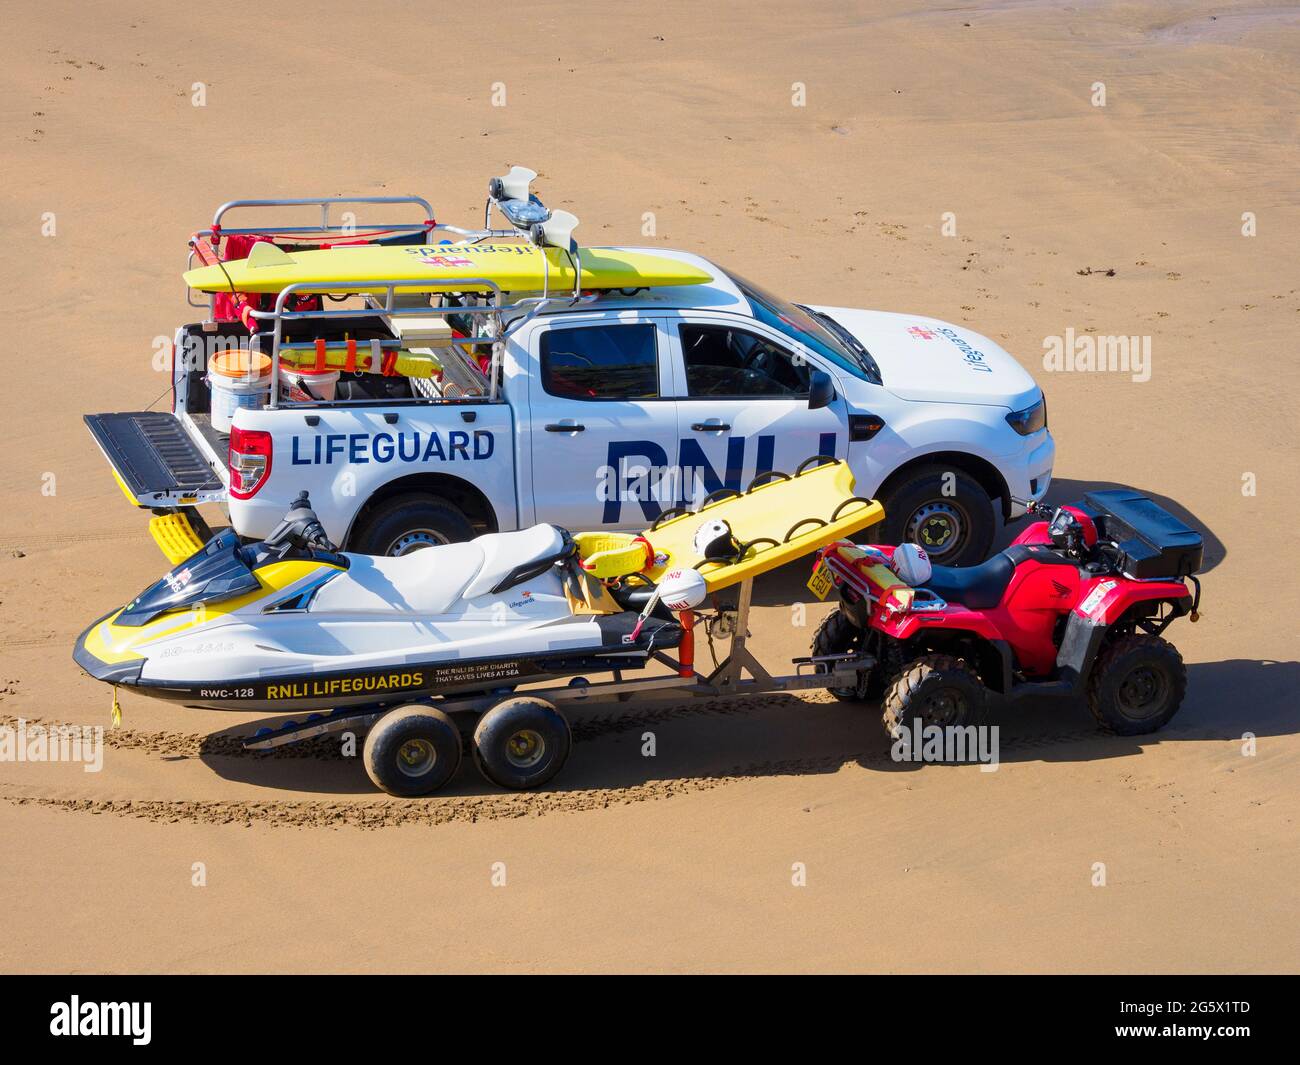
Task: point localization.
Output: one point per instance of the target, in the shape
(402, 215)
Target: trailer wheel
(410, 522)
(412, 750)
(937, 689)
(1137, 685)
(521, 742)
(837, 635)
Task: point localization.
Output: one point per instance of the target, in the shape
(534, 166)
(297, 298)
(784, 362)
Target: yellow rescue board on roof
(512, 267)
(779, 519)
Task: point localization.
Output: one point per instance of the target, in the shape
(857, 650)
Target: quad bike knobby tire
(938, 689)
(837, 635)
(1137, 685)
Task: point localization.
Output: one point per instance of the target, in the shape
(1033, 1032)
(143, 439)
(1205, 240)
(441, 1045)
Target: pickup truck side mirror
(821, 390)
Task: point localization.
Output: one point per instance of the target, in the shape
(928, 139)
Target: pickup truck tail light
(250, 461)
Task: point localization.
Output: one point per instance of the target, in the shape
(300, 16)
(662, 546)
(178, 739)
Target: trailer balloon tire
(413, 750)
(521, 743)
(416, 515)
(941, 679)
(1128, 669)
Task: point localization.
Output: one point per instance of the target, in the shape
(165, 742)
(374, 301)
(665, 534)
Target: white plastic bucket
(307, 386)
(235, 381)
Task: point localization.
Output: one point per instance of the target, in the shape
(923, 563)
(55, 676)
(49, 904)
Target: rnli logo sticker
(177, 581)
(1095, 597)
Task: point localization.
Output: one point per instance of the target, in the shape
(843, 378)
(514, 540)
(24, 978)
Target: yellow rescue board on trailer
(512, 267)
(780, 519)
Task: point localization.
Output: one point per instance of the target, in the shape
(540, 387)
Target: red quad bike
(1076, 606)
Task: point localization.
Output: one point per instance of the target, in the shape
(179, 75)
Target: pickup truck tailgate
(154, 460)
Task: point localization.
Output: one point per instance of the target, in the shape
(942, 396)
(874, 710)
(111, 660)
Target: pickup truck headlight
(1031, 419)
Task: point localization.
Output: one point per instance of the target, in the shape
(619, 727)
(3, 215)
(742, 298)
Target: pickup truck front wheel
(410, 522)
(943, 510)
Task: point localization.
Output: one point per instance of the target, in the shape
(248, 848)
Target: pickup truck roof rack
(501, 319)
(203, 244)
(510, 195)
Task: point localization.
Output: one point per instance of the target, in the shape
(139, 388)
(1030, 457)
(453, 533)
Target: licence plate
(820, 583)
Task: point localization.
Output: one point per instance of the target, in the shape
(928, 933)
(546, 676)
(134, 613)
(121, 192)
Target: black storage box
(1152, 541)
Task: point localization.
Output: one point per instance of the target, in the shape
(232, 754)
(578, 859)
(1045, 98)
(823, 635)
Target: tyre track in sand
(327, 748)
(441, 810)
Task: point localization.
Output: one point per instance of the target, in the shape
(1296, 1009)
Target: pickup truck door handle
(711, 427)
(565, 427)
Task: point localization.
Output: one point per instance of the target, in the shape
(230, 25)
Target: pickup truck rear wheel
(410, 522)
(945, 511)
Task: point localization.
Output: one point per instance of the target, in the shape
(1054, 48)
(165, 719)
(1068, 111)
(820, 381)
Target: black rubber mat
(152, 452)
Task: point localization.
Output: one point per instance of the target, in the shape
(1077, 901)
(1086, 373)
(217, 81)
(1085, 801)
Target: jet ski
(407, 649)
(290, 623)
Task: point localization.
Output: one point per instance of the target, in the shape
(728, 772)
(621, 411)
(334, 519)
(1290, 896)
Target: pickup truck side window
(722, 361)
(601, 362)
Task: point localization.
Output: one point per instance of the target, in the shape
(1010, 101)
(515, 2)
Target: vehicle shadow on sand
(706, 742)
(1067, 491)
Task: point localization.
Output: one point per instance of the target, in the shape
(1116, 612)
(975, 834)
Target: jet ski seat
(431, 580)
(514, 557)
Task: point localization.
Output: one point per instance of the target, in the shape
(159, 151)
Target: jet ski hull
(416, 677)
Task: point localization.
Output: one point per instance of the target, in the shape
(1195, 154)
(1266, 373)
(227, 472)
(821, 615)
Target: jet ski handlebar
(299, 528)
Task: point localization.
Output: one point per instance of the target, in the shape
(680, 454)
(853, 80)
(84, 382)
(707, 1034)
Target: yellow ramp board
(175, 536)
(780, 519)
(513, 267)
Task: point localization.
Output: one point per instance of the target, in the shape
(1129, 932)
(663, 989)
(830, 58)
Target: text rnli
(326, 449)
(309, 689)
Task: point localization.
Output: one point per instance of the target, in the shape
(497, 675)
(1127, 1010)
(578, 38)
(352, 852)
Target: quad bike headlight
(1031, 419)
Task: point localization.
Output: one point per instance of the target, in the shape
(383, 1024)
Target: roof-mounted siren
(512, 195)
(557, 232)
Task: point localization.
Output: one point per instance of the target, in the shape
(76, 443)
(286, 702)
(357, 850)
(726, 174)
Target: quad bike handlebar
(1063, 527)
(1036, 510)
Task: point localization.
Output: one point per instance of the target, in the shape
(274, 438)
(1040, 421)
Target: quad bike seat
(982, 587)
(975, 587)
(431, 580)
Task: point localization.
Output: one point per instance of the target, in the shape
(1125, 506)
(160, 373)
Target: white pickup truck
(594, 410)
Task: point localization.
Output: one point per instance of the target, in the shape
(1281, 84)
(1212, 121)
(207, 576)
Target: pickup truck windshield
(811, 328)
